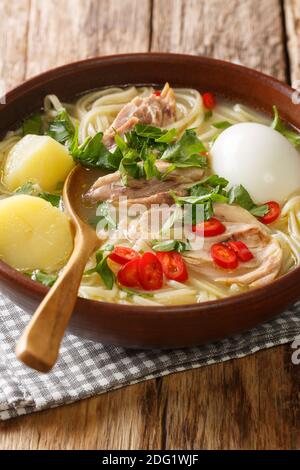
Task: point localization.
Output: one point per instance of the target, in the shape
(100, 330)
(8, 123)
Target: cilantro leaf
(129, 166)
(222, 125)
(105, 273)
(54, 199)
(137, 164)
(34, 190)
(212, 195)
(278, 125)
(62, 128)
(171, 245)
(33, 125)
(186, 152)
(131, 293)
(201, 207)
(26, 188)
(103, 270)
(211, 184)
(260, 211)
(93, 153)
(204, 193)
(167, 136)
(239, 195)
(143, 136)
(155, 133)
(150, 169)
(215, 180)
(44, 278)
(105, 214)
(208, 114)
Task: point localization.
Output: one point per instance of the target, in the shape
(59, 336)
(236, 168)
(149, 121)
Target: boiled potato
(34, 234)
(37, 159)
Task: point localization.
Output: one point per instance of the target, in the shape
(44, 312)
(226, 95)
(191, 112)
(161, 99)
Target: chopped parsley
(62, 128)
(222, 125)
(44, 278)
(102, 268)
(278, 125)
(187, 152)
(33, 125)
(34, 190)
(239, 195)
(171, 245)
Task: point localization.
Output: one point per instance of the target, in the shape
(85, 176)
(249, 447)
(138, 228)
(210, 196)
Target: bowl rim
(24, 283)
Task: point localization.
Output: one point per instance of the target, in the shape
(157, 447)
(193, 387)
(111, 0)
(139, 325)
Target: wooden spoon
(39, 344)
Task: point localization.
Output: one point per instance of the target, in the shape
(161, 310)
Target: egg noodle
(94, 112)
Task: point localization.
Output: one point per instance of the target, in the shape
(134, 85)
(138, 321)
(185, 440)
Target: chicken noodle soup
(195, 198)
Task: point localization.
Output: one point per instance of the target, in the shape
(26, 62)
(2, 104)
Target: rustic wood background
(250, 403)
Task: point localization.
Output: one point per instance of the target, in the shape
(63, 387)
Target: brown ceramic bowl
(162, 327)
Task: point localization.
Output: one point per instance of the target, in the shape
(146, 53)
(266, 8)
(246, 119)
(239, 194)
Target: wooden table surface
(250, 403)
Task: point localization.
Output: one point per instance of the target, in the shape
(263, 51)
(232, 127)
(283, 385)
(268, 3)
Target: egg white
(259, 158)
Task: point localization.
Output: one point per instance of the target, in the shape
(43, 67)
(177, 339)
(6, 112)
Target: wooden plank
(13, 41)
(248, 32)
(292, 17)
(123, 419)
(63, 31)
(241, 404)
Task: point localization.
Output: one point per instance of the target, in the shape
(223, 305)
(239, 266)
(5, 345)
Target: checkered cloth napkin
(86, 368)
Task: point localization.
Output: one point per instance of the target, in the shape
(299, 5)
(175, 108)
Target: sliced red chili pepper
(173, 265)
(224, 256)
(150, 272)
(209, 228)
(123, 254)
(272, 214)
(128, 274)
(209, 100)
(157, 93)
(241, 250)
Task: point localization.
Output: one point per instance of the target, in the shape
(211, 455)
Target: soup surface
(193, 198)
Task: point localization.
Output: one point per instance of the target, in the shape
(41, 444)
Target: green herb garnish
(33, 125)
(93, 153)
(171, 245)
(239, 195)
(44, 278)
(102, 269)
(222, 125)
(202, 195)
(186, 152)
(278, 125)
(105, 215)
(26, 188)
(54, 199)
(131, 293)
(260, 211)
(34, 190)
(208, 114)
(62, 128)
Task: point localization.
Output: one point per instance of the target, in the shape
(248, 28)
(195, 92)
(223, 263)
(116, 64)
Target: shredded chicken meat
(110, 187)
(155, 110)
(240, 225)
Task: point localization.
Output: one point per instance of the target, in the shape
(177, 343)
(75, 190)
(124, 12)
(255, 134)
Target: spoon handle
(39, 344)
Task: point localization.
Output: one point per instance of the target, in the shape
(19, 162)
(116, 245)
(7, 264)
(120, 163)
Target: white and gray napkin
(87, 368)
